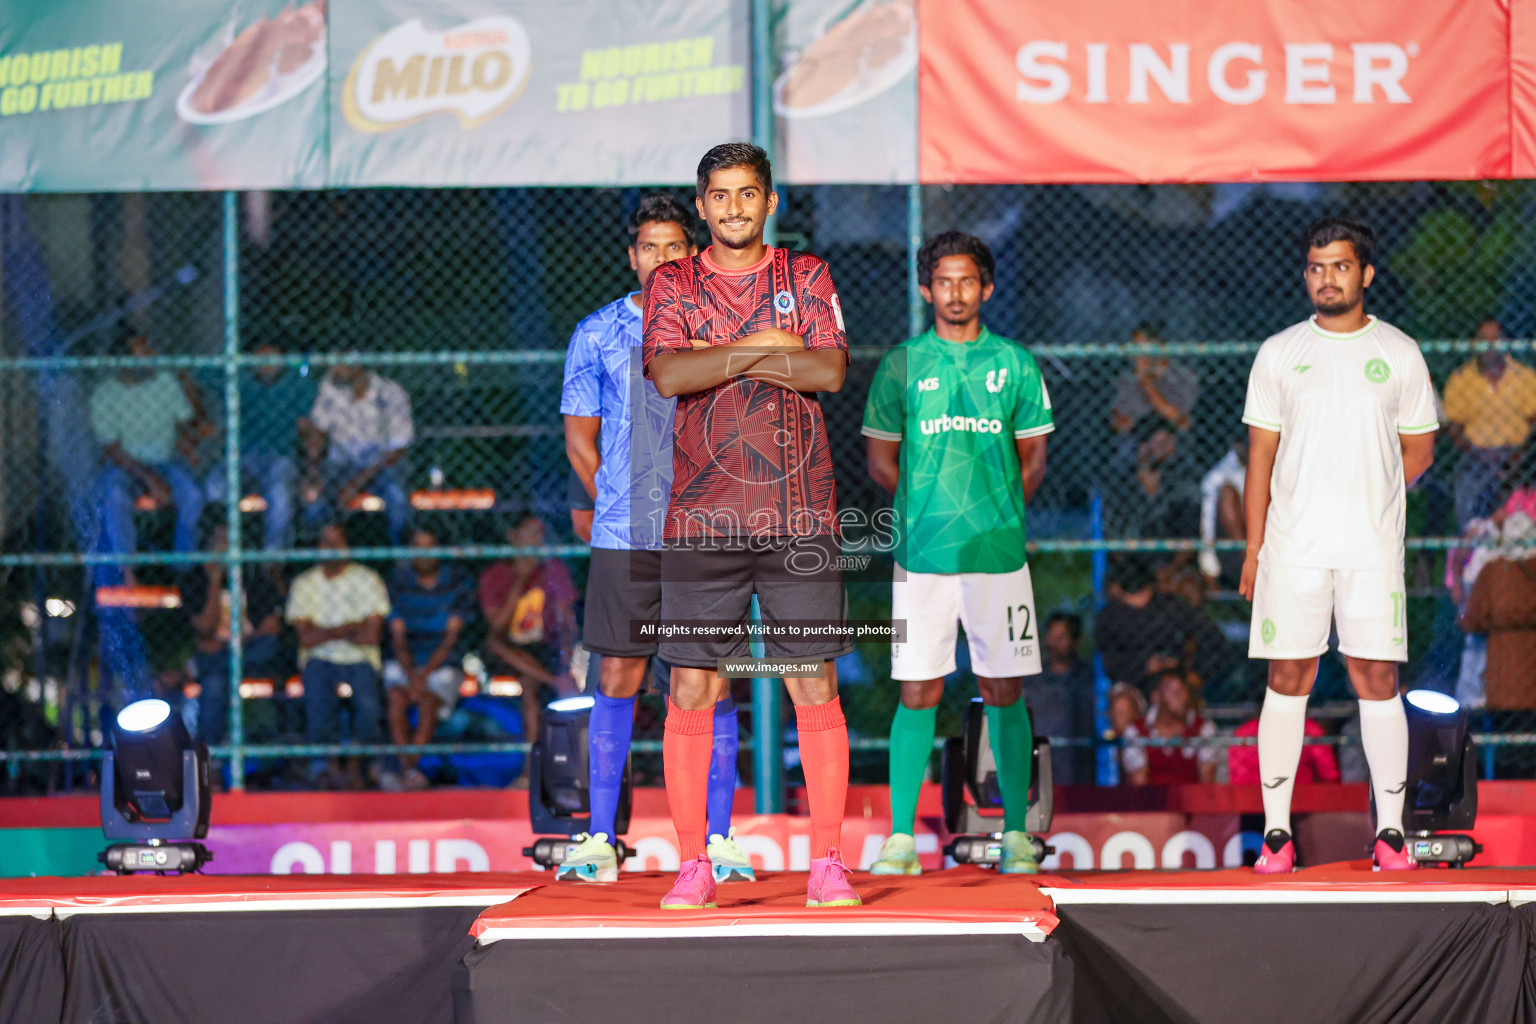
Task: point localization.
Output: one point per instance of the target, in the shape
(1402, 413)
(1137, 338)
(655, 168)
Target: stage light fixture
(558, 798)
(1441, 793)
(973, 799)
(154, 792)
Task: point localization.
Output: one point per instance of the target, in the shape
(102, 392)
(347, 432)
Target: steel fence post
(232, 484)
(917, 315)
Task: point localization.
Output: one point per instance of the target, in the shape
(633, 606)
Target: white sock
(1282, 728)
(1384, 734)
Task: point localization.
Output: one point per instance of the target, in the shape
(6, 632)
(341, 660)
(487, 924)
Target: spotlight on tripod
(1441, 793)
(154, 792)
(558, 799)
(973, 800)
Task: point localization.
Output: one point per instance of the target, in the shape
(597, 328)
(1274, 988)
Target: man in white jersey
(1341, 419)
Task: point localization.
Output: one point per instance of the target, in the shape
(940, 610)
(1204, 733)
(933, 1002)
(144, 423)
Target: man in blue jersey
(618, 435)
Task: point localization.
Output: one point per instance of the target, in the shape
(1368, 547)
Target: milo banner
(492, 92)
(162, 94)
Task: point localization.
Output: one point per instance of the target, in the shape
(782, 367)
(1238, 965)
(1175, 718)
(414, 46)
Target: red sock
(824, 756)
(688, 743)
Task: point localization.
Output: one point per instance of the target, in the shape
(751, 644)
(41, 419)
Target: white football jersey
(1339, 402)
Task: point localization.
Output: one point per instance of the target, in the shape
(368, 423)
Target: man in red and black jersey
(744, 335)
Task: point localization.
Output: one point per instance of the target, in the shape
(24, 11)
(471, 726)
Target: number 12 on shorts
(1025, 622)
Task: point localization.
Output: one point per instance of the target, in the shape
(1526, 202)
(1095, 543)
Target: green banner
(98, 95)
(162, 95)
(491, 92)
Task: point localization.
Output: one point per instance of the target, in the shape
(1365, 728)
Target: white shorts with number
(997, 610)
(1292, 607)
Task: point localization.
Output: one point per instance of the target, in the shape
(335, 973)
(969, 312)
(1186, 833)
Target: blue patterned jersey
(604, 377)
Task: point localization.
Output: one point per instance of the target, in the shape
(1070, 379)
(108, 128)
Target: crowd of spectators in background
(313, 445)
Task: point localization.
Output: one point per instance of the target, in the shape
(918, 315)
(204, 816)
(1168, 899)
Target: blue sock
(608, 734)
(722, 768)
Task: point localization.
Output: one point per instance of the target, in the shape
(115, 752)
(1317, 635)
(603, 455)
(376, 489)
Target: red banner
(1522, 69)
(1270, 90)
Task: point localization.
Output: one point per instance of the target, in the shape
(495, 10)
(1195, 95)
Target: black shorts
(623, 590)
(660, 679)
(796, 580)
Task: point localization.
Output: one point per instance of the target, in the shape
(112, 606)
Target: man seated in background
(1061, 698)
(275, 402)
(338, 608)
(205, 600)
(429, 602)
(1221, 512)
(1490, 401)
(1153, 386)
(137, 416)
(362, 428)
(529, 604)
(1161, 498)
(1141, 632)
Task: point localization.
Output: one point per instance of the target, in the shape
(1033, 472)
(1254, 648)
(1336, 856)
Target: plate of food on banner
(263, 66)
(856, 53)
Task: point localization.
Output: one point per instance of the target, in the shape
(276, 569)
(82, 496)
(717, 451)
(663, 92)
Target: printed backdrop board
(169, 94)
(491, 92)
(845, 91)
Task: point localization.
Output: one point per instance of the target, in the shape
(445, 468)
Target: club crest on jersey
(784, 302)
(997, 380)
(1377, 371)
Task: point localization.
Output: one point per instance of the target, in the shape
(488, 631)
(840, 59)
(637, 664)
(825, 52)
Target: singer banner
(1271, 90)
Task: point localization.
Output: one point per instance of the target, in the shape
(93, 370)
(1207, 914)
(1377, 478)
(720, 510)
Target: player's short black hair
(1071, 620)
(954, 243)
(1325, 232)
(661, 208)
(1152, 330)
(735, 154)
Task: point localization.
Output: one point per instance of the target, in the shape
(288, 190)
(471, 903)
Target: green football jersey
(957, 408)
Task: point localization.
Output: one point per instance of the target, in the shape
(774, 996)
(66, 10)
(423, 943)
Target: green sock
(911, 747)
(1009, 732)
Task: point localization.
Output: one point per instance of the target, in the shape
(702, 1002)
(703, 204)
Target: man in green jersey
(956, 426)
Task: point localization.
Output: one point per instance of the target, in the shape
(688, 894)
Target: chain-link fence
(396, 357)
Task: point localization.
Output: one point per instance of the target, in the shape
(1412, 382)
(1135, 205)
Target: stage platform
(1332, 943)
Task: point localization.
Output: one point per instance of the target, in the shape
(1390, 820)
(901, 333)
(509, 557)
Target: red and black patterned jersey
(749, 457)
